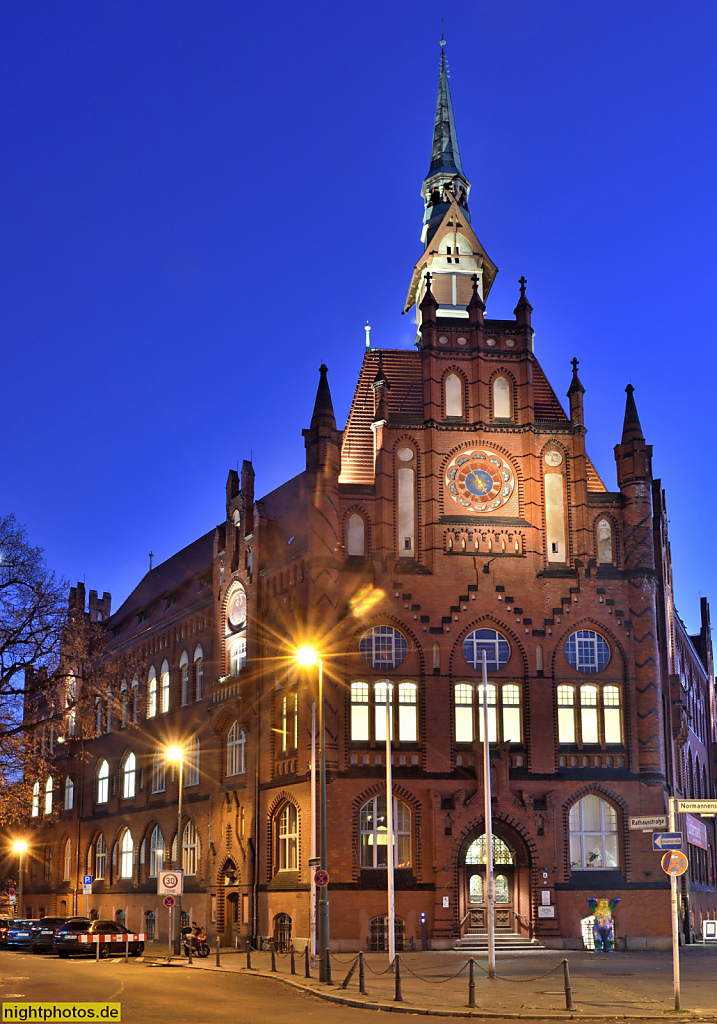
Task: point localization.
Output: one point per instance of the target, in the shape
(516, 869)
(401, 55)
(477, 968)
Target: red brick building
(458, 512)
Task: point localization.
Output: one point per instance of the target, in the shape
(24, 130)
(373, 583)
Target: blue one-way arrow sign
(666, 840)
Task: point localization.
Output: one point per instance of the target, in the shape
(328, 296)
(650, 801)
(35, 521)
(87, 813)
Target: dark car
(19, 934)
(42, 938)
(5, 923)
(67, 938)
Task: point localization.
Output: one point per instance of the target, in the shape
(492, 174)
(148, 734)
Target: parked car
(5, 923)
(42, 937)
(67, 938)
(19, 934)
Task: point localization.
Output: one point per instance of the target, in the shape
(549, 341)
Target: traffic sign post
(666, 840)
(674, 864)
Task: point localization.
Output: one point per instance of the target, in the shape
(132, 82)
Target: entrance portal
(504, 882)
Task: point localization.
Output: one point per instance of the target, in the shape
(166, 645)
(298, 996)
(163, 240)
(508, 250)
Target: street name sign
(666, 840)
(647, 824)
(170, 883)
(697, 806)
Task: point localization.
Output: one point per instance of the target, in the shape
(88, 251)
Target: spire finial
(443, 36)
(151, 556)
(367, 328)
(522, 281)
(575, 362)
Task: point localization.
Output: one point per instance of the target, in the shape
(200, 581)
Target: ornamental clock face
(479, 480)
(236, 612)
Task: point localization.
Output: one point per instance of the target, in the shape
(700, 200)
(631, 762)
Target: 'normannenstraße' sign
(697, 806)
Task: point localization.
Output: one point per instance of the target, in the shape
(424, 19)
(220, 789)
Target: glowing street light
(176, 754)
(19, 847)
(308, 657)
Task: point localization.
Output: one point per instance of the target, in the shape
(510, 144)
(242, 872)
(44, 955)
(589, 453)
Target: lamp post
(307, 656)
(177, 754)
(20, 847)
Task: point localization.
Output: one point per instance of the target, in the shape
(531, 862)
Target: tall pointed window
(288, 839)
(123, 704)
(100, 857)
(184, 677)
(69, 793)
(198, 672)
(454, 395)
(67, 861)
(164, 688)
(35, 800)
(604, 542)
(152, 693)
(501, 399)
(157, 851)
(48, 795)
(129, 776)
(159, 771)
(191, 762)
(593, 834)
(356, 535)
(236, 748)
(103, 782)
(190, 848)
(126, 855)
(374, 833)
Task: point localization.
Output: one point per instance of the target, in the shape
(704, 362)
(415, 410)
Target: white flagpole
(389, 831)
(489, 895)
(312, 872)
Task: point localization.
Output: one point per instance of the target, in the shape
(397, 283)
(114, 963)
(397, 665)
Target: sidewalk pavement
(528, 984)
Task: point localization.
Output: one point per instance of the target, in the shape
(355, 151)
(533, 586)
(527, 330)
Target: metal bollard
(471, 982)
(293, 960)
(217, 961)
(248, 955)
(126, 949)
(273, 958)
(347, 980)
(398, 998)
(568, 986)
(328, 966)
(307, 966)
(190, 943)
(362, 976)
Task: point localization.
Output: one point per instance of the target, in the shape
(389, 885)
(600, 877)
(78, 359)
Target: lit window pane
(464, 713)
(494, 644)
(492, 717)
(407, 712)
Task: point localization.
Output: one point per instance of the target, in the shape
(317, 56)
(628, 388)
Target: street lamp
(308, 657)
(177, 754)
(20, 847)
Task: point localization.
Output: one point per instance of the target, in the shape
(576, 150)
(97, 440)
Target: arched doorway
(282, 933)
(228, 903)
(511, 883)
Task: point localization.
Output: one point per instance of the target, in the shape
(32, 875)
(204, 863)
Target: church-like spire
(631, 428)
(323, 406)
(445, 155)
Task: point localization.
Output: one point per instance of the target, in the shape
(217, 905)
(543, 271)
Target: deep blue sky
(201, 202)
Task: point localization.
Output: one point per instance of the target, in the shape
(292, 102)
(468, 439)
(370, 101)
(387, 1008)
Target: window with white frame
(359, 712)
(237, 655)
(587, 651)
(373, 826)
(48, 795)
(288, 839)
(288, 725)
(157, 850)
(236, 750)
(126, 855)
(159, 772)
(35, 800)
(496, 647)
(152, 692)
(190, 848)
(593, 834)
(69, 794)
(129, 776)
(198, 672)
(590, 714)
(191, 762)
(164, 688)
(368, 711)
(184, 677)
(504, 712)
(383, 647)
(103, 782)
(67, 861)
(100, 857)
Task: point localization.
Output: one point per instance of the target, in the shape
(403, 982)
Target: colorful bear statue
(603, 928)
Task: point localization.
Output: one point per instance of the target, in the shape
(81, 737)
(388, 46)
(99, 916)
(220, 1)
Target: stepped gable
(284, 513)
(403, 370)
(192, 561)
(594, 480)
(545, 401)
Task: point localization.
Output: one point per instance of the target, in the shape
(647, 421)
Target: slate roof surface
(285, 525)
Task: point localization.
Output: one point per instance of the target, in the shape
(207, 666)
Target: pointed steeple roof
(575, 385)
(445, 155)
(631, 428)
(323, 406)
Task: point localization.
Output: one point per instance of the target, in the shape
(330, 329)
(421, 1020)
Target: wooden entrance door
(503, 885)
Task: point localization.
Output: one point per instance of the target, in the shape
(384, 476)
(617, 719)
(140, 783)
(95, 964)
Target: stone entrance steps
(478, 942)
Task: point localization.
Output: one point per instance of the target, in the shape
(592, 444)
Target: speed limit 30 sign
(170, 883)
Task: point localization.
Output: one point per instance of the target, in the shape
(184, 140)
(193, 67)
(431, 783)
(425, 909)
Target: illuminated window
(129, 776)
(164, 688)
(156, 851)
(191, 762)
(100, 857)
(504, 712)
(359, 712)
(236, 750)
(69, 793)
(593, 834)
(190, 849)
(184, 677)
(288, 839)
(374, 833)
(494, 644)
(126, 855)
(35, 800)
(383, 647)
(159, 772)
(587, 651)
(48, 796)
(103, 782)
(67, 861)
(566, 714)
(237, 656)
(198, 672)
(152, 693)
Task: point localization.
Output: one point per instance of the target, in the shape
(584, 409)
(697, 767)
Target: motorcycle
(196, 939)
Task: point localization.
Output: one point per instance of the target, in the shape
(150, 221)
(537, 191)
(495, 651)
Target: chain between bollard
(471, 983)
(362, 976)
(248, 955)
(307, 965)
(568, 986)
(398, 998)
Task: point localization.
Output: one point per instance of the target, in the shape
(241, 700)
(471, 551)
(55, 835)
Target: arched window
(454, 395)
(126, 855)
(406, 512)
(157, 850)
(593, 834)
(374, 833)
(190, 848)
(501, 399)
(198, 672)
(288, 839)
(383, 647)
(69, 793)
(134, 699)
(378, 934)
(236, 749)
(152, 693)
(164, 688)
(191, 762)
(48, 795)
(356, 535)
(604, 542)
(184, 677)
(502, 853)
(129, 776)
(35, 800)
(103, 782)
(159, 771)
(502, 891)
(492, 642)
(587, 651)
(100, 850)
(48, 864)
(67, 861)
